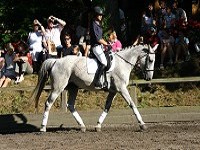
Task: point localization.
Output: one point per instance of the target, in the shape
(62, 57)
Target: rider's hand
(109, 47)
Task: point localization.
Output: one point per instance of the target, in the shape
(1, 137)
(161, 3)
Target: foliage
(16, 16)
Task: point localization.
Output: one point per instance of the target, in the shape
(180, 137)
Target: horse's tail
(42, 78)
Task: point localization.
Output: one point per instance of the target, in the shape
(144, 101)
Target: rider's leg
(100, 71)
(98, 51)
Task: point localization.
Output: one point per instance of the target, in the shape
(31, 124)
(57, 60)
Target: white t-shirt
(54, 35)
(35, 44)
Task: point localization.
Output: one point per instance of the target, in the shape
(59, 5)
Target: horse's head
(147, 61)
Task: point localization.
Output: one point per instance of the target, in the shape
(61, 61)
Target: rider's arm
(102, 41)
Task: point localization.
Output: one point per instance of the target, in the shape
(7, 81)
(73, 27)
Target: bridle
(144, 71)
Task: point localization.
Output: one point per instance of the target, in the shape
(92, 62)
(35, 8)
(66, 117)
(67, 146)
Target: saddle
(109, 58)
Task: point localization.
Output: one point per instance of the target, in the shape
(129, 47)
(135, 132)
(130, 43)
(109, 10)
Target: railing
(132, 87)
(134, 83)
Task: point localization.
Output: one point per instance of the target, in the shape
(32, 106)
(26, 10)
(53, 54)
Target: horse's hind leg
(125, 94)
(51, 99)
(109, 100)
(72, 92)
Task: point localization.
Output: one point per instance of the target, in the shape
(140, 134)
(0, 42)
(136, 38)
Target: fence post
(133, 93)
(63, 102)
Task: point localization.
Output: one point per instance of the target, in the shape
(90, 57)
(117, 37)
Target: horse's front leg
(109, 100)
(72, 92)
(125, 94)
(51, 99)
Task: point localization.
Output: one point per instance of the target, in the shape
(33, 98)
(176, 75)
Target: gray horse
(70, 73)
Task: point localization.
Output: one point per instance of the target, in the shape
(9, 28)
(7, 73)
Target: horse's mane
(131, 47)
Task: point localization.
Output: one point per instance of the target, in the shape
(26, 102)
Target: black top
(96, 33)
(68, 51)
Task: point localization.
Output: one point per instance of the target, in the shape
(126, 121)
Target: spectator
(2, 63)
(9, 67)
(23, 61)
(151, 38)
(160, 14)
(69, 49)
(123, 27)
(169, 19)
(167, 42)
(181, 47)
(81, 29)
(35, 44)
(181, 16)
(148, 20)
(84, 44)
(82, 33)
(114, 42)
(53, 42)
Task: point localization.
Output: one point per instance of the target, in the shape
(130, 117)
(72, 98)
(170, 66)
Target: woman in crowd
(35, 44)
(23, 61)
(9, 67)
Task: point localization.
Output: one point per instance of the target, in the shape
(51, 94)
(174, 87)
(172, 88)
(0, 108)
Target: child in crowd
(181, 47)
(114, 42)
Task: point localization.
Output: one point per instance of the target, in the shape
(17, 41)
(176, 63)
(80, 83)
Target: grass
(184, 94)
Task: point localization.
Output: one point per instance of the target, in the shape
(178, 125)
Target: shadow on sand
(15, 123)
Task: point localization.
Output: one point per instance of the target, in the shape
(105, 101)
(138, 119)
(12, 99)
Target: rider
(98, 43)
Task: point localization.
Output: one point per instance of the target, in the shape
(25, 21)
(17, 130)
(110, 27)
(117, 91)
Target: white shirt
(35, 43)
(54, 35)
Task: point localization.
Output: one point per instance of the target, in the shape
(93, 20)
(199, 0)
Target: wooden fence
(134, 83)
(132, 87)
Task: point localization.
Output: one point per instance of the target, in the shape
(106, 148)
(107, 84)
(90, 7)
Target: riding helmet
(98, 10)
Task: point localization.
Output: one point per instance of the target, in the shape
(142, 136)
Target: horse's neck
(130, 55)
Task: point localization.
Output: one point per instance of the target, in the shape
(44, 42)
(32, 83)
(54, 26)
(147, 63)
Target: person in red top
(151, 38)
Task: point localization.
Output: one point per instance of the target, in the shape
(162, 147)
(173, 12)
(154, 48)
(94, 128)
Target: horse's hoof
(43, 129)
(98, 128)
(143, 127)
(83, 129)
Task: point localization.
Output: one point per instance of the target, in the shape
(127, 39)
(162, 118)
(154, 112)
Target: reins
(124, 59)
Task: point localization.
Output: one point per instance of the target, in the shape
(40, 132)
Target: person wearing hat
(52, 37)
(35, 44)
(98, 43)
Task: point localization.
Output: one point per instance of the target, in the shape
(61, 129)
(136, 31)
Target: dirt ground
(159, 136)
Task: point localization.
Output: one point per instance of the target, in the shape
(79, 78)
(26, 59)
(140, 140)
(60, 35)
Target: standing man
(98, 43)
(53, 31)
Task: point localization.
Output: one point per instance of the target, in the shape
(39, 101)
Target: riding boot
(98, 75)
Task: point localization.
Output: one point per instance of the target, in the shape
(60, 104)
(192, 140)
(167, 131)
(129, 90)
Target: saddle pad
(92, 65)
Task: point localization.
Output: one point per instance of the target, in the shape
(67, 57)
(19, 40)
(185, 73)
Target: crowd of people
(26, 57)
(166, 26)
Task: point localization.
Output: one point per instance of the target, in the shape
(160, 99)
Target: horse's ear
(155, 47)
